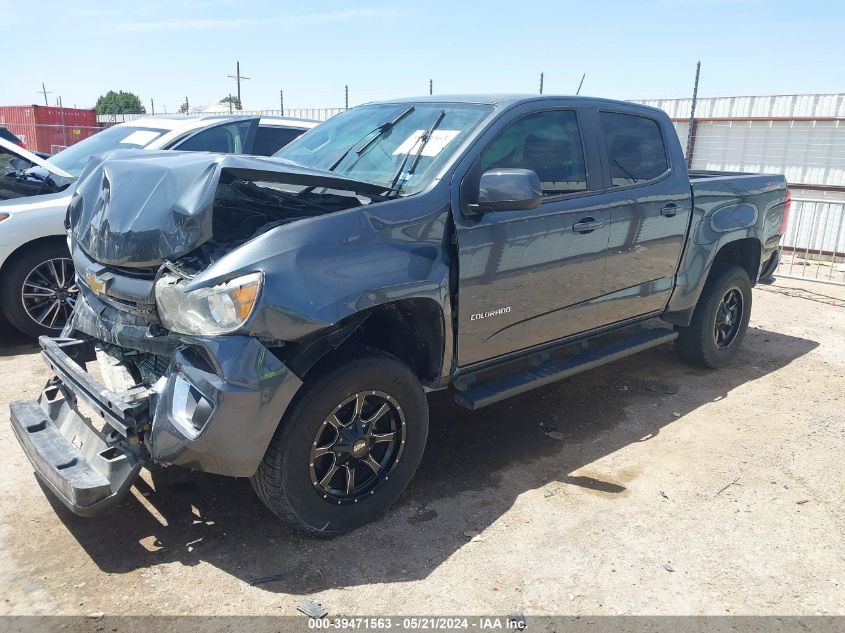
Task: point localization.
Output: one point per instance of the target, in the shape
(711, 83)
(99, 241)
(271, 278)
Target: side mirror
(507, 189)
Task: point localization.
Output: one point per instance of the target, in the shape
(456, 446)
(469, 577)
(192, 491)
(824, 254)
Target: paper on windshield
(439, 139)
(140, 137)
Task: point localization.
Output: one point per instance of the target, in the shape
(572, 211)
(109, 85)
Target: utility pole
(282, 101)
(62, 115)
(541, 83)
(431, 86)
(691, 132)
(152, 106)
(346, 96)
(45, 92)
(238, 77)
(581, 83)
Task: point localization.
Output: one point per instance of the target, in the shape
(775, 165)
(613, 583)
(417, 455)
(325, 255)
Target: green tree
(119, 103)
(233, 100)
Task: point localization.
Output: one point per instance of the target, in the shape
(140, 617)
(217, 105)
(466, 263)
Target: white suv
(37, 284)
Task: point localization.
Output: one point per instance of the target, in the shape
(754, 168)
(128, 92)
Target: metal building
(799, 136)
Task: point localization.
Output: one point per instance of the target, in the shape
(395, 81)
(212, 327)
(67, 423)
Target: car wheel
(720, 319)
(348, 446)
(39, 289)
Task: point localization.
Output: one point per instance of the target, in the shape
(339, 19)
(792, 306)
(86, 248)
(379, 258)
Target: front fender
(319, 271)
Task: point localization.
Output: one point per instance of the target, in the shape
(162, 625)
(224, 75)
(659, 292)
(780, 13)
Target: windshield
(74, 158)
(372, 143)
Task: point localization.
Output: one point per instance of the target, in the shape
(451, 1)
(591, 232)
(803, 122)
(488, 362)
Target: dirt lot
(662, 490)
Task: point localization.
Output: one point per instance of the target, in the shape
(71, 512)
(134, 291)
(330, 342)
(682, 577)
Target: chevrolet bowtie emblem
(95, 284)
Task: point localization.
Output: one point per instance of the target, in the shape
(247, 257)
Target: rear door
(233, 137)
(648, 198)
(530, 277)
(269, 139)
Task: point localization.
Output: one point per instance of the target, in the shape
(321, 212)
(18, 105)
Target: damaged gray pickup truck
(283, 318)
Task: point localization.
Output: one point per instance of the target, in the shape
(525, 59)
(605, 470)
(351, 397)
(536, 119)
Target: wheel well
(744, 253)
(51, 239)
(410, 329)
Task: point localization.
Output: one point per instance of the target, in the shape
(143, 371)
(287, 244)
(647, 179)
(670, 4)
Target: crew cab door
(530, 277)
(648, 197)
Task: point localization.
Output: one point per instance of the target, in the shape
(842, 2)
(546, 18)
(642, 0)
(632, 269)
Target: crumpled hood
(137, 208)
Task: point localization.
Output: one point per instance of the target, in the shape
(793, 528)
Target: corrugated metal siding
(47, 128)
(806, 152)
(816, 106)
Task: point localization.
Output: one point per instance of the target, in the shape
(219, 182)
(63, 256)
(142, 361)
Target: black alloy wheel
(357, 446)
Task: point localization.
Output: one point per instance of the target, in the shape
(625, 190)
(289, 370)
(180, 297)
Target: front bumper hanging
(88, 443)
(87, 468)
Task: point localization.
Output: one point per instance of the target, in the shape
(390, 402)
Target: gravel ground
(643, 487)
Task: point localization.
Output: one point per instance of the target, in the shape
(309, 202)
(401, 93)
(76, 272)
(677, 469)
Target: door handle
(670, 210)
(587, 225)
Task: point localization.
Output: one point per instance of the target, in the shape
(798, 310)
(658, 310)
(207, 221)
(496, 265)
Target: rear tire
(45, 269)
(720, 319)
(322, 431)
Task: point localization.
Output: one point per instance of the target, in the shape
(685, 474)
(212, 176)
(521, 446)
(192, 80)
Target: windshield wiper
(378, 132)
(424, 139)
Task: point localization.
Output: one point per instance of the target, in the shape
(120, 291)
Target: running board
(481, 394)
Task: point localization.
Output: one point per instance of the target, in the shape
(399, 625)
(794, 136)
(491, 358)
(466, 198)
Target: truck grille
(152, 367)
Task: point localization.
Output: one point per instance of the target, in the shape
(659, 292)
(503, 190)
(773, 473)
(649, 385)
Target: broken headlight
(217, 310)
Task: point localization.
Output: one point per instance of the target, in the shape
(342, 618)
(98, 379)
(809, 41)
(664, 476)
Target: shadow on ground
(487, 458)
(13, 343)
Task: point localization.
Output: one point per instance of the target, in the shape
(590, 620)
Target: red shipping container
(47, 128)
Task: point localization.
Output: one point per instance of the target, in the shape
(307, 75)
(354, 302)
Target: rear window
(635, 148)
(270, 139)
(74, 158)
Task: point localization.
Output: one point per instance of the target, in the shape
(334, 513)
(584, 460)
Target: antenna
(691, 133)
(581, 83)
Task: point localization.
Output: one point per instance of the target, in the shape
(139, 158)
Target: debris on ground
(728, 485)
(516, 620)
(664, 495)
(265, 579)
(96, 615)
(474, 537)
(802, 502)
(312, 609)
(556, 435)
(668, 567)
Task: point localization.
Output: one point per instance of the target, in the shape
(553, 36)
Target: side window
(548, 143)
(227, 139)
(634, 147)
(269, 139)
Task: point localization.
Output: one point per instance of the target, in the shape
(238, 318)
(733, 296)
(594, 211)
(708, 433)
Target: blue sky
(628, 49)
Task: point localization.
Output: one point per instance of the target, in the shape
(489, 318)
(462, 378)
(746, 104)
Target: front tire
(348, 446)
(720, 319)
(39, 288)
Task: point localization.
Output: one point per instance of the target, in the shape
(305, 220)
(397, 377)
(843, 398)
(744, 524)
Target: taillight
(786, 205)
